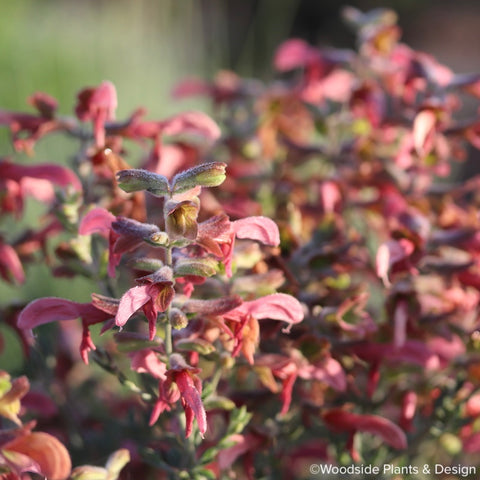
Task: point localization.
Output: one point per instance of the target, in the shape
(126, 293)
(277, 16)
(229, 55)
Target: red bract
(28, 128)
(217, 235)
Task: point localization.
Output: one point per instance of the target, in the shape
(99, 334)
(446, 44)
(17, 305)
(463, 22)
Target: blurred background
(146, 46)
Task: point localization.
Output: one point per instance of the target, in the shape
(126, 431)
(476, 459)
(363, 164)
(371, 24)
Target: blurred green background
(145, 46)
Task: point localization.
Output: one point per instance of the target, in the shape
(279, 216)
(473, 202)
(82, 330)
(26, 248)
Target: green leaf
(203, 474)
(209, 455)
(239, 420)
(146, 264)
(205, 175)
(222, 403)
(195, 345)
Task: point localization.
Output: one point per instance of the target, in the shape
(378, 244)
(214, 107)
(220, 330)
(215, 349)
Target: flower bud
(134, 180)
(177, 319)
(226, 361)
(205, 175)
(159, 239)
(198, 267)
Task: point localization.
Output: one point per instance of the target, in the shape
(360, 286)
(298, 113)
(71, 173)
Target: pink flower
(226, 87)
(20, 181)
(393, 253)
(244, 325)
(321, 80)
(326, 370)
(190, 387)
(193, 123)
(27, 128)
(153, 296)
(97, 105)
(52, 309)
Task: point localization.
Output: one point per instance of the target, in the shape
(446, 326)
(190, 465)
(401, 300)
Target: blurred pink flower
(341, 420)
(20, 181)
(53, 309)
(98, 105)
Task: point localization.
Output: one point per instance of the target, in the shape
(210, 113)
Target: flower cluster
(300, 284)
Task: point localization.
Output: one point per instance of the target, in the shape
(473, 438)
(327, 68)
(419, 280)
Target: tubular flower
(243, 320)
(180, 381)
(153, 296)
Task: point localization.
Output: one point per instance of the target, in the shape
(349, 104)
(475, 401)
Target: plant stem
(168, 325)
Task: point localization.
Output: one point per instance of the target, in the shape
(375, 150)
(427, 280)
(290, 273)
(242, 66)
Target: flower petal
(192, 123)
(46, 310)
(10, 264)
(50, 455)
(389, 253)
(131, 301)
(261, 229)
(191, 395)
(96, 220)
(390, 433)
(278, 306)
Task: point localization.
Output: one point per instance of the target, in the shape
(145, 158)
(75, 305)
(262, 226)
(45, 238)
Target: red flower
(27, 128)
(178, 382)
(52, 309)
(97, 105)
(153, 296)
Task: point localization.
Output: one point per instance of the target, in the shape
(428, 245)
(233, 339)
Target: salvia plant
(297, 286)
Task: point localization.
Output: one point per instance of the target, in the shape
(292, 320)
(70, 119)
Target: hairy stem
(168, 325)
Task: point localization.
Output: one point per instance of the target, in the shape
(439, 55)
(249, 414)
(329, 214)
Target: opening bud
(177, 319)
(159, 239)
